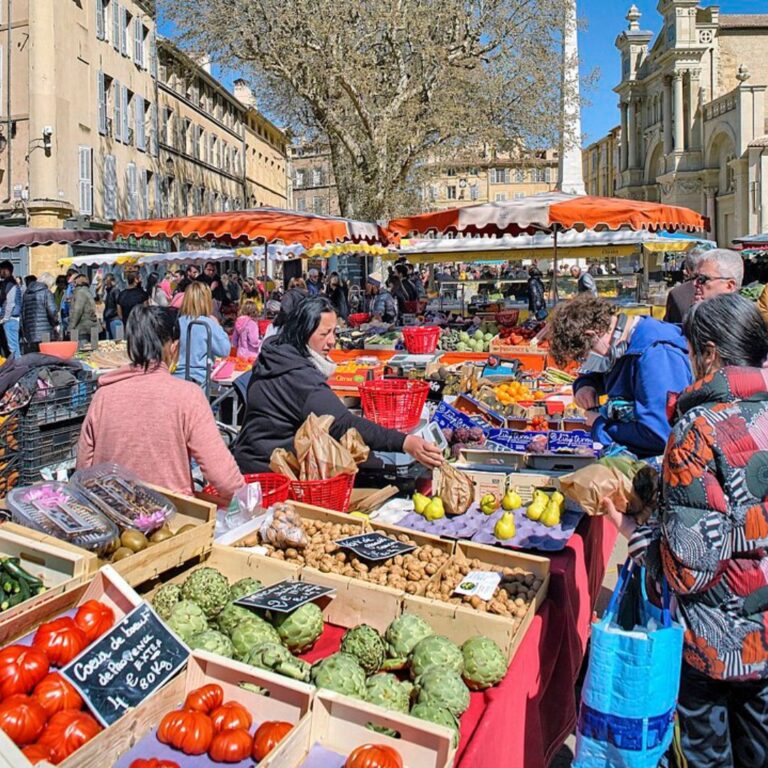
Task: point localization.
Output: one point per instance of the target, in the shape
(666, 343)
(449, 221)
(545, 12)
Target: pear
(558, 500)
(551, 515)
(511, 500)
(505, 527)
(434, 510)
(420, 502)
(536, 510)
(488, 504)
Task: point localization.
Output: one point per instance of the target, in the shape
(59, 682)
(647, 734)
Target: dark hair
(149, 329)
(300, 324)
(29, 279)
(733, 324)
(402, 269)
(574, 325)
(7, 265)
(152, 281)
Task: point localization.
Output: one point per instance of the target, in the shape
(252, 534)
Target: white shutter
(138, 43)
(141, 140)
(110, 187)
(132, 191)
(154, 148)
(123, 31)
(101, 21)
(117, 97)
(85, 155)
(116, 25)
(102, 104)
(153, 54)
(158, 207)
(144, 192)
(126, 116)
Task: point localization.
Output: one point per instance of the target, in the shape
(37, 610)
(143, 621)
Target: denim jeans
(12, 336)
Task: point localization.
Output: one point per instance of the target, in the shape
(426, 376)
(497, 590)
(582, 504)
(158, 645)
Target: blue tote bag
(630, 690)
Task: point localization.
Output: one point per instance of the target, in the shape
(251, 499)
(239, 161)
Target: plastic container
(263, 326)
(61, 349)
(54, 404)
(394, 403)
(508, 317)
(123, 498)
(274, 488)
(59, 511)
(330, 494)
(357, 319)
(421, 340)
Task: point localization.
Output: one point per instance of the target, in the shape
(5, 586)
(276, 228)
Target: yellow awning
(671, 246)
(341, 249)
(517, 254)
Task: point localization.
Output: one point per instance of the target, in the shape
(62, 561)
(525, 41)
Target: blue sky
(606, 20)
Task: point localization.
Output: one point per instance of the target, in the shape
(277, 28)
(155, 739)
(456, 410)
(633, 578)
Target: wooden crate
(286, 700)
(58, 564)
(460, 622)
(341, 724)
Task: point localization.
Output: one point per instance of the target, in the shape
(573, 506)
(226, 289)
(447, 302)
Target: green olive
(121, 554)
(134, 540)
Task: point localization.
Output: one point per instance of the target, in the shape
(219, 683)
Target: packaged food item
(123, 498)
(59, 511)
(282, 528)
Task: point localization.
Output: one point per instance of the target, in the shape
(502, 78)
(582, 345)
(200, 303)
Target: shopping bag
(630, 690)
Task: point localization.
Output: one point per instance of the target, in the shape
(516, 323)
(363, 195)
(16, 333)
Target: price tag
(375, 546)
(127, 664)
(480, 583)
(285, 596)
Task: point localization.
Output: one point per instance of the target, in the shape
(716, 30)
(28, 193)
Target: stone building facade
(693, 115)
(601, 165)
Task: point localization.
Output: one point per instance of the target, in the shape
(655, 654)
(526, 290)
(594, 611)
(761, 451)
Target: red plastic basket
(333, 493)
(394, 403)
(274, 488)
(508, 317)
(263, 326)
(357, 319)
(421, 341)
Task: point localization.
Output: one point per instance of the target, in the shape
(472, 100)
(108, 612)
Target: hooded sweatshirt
(654, 365)
(246, 337)
(285, 388)
(154, 424)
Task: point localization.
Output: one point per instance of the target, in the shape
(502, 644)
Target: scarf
(323, 364)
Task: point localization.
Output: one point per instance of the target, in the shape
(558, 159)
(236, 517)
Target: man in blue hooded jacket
(630, 365)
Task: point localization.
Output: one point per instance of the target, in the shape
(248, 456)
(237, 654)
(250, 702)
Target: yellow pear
(511, 500)
(535, 510)
(434, 510)
(420, 502)
(505, 527)
(551, 515)
(558, 499)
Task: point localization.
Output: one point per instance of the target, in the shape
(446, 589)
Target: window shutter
(100, 20)
(138, 42)
(126, 117)
(130, 182)
(116, 25)
(158, 208)
(154, 148)
(110, 187)
(85, 162)
(102, 104)
(153, 54)
(144, 188)
(118, 99)
(123, 30)
(141, 142)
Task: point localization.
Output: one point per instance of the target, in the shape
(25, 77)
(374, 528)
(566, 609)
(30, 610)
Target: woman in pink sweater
(246, 334)
(151, 423)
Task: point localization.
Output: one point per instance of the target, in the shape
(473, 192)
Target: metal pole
(555, 297)
(9, 121)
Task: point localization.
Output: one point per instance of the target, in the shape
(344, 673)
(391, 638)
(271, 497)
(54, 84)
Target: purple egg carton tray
(322, 757)
(461, 527)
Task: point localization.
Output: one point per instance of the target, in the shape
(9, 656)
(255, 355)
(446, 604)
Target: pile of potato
(517, 589)
(410, 573)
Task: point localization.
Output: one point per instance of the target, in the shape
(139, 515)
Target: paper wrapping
(590, 485)
(455, 489)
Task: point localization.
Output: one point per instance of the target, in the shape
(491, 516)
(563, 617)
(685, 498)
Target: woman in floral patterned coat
(714, 537)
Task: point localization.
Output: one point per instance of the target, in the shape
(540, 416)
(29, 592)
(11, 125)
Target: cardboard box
(497, 482)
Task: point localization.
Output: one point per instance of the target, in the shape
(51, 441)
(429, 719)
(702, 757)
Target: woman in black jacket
(337, 291)
(290, 381)
(38, 312)
(537, 304)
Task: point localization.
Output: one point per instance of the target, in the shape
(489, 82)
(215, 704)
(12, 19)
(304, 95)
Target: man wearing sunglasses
(717, 272)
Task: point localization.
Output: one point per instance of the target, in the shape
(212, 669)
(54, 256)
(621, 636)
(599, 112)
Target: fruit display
(519, 335)
(465, 341)
(463, 437)
(16, 584)
(546, 509)
(374, 756)
(516, 392)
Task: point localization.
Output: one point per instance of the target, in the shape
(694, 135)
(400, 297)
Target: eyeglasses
(704, 279)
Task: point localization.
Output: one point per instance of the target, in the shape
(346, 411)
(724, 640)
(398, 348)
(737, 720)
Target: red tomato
(374, 756)
(22, 718)
(60, 640)
(55, 693)
(94, 618)
(187, 730)
(153, 762)
(268, 735)
(36, 753)
(205, 699)
(21, 669)
(231, 746)
(230, 716)
(67, 731)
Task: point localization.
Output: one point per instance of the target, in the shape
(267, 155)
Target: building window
(301, 204)
(144, 192)
(317, 177)
(132, 191)
(548, 175)
(500, 175)
(102, 96)
(450, 171)
(110, 187)
(139, 33)
(101, 20)
(116, 14)
(474, 192)
(125, 28)
(85, 158)
(519, 195)
(319, 204)
(539, 176)
(519, 176)
(140, 113)
(299, 178)
(501, 197)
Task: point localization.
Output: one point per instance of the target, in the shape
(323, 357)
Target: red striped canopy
(16, 237)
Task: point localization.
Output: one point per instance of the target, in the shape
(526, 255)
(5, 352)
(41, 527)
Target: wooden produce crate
(340, 724)
(59, 565)
(460, 622)
(166, 555)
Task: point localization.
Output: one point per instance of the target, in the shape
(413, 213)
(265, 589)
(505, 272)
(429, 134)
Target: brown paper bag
(590, 485)
(284, 463)
(455, 489)
(320, 456)
(354, 443)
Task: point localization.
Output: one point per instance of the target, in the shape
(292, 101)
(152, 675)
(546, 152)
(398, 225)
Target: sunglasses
(704, 279)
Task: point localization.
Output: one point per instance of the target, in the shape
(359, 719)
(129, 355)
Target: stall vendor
(152, 423)
(290, 381)
(634, 362)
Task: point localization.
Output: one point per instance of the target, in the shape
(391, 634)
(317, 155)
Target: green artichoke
(386, 690)
(187, 619)
(366, 645)
(243, 587)
(484, 663)
(213, 641)
(251, 633)
(299, 629)
(165, 598)
(439, 715)
(208, 588)
(232, 617)
(341, 673)
(277, 658)
(403, 634)
(436, 651)
(443, 687)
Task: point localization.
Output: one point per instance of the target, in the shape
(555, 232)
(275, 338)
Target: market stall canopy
(549, 212)
(669, 242)
(752, 245)
(101, 259)
(344, 249)
(274, 252)
(18, 237)
(258, 225)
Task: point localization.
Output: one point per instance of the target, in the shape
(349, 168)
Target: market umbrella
(17, 237)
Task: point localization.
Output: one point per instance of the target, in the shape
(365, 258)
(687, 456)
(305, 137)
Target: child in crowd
(246, 334)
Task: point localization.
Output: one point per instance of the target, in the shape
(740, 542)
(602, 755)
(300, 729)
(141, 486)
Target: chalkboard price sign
(285, 596)
(127, 664)
(375, 546)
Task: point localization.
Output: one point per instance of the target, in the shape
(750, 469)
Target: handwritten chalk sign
(375, 546)
(126, 665)
(285, 596)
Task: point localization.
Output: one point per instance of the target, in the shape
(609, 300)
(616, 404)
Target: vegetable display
(21, 669)
(22, 718)
(16, 584)
(60, 640)
(374, 756)
(268, 735)
(153, 762)
(231, 716)
(55, 693)
(231, 746)
(189, 731)
(94, 618)
(67, 731)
